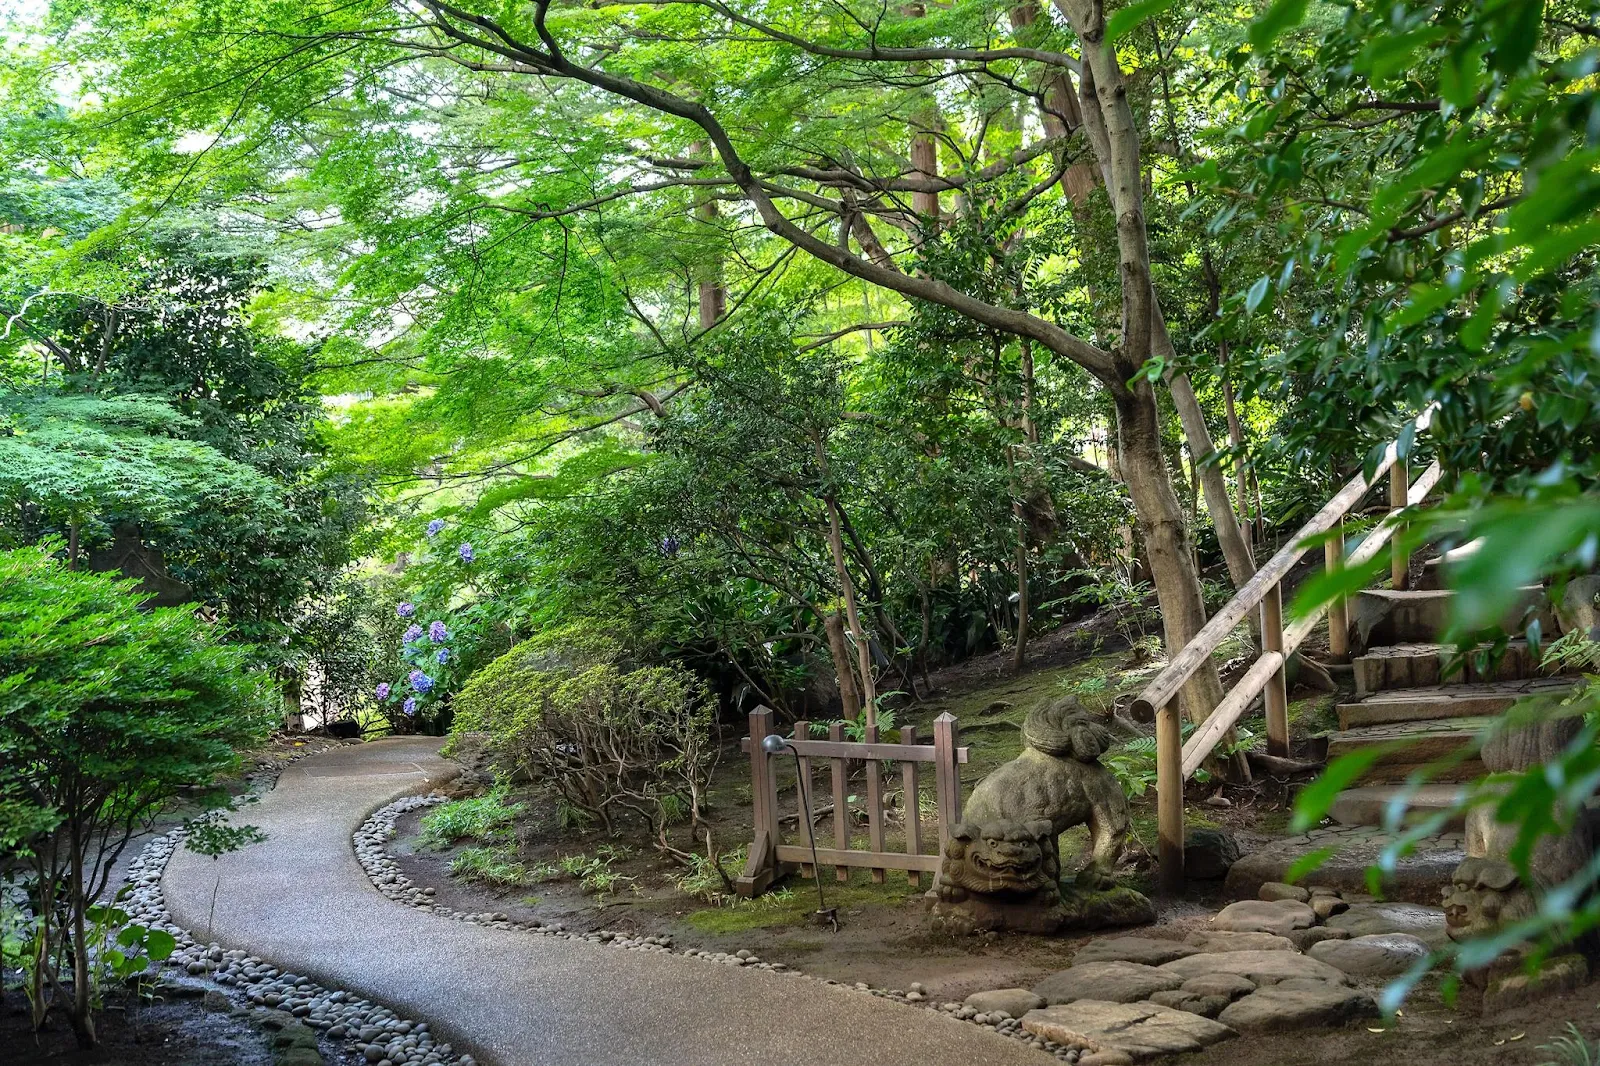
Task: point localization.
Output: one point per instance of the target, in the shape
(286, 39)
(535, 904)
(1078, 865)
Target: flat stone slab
(1145, 950)
(1374, 955)
(1194, 1003)
(1219, 984)
(1417, 878)
(1220, 940)
(1014, 1001)
(1113, 982)
(1366, 919)
(1296, 1004)
(1260, 967)
(1302, 939)
(1140, 1030)
(1278, 916)
(1276, 890)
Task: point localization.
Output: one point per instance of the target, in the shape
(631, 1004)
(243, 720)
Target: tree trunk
(849, 698)
(711, 292)
(1166, 545)
(1019, 654)
(80, 1014)
(847, 588)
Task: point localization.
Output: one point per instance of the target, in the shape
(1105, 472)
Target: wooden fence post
(762, 866)
(1169, 797)
(841, 801)
(946, 776)
(1338, 616)
(911, 793)
(869, 733)
(1277, 691)
(1399, 558)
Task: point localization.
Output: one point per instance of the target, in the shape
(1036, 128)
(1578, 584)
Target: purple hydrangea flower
(442, 655)
(406, 610)
(413, 632)
(434, 527)
(466, 553)
(383, 690)
(437, 632)
(410, 705)
(420, 681)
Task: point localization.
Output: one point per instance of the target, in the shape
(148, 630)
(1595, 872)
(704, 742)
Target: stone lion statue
(1058, 780)
(1000, 875)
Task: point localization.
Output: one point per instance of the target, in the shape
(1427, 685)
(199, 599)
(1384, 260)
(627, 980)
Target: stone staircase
(1413, 689)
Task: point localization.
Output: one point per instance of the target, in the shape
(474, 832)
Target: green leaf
(1257, 293)
(1282, 16)
(160, 945)
(1309, 863)
(1312, 804)
(1126, 20)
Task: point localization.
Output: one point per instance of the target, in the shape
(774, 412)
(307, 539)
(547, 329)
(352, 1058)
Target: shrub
(614, 738)
(489, 866)
(106, 712)
(480, 818)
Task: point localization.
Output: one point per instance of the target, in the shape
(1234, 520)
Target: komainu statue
(1001, 869)
(1058, 779)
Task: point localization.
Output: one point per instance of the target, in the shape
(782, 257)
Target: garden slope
(301, 901)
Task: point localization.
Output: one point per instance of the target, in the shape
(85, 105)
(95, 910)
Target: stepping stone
(1014, 1001)
(1178, 999)
(1375, 955)
(1224, 941)
(1365, 919)
(1141, 949)
(1297, 1004)
(1113, 982)
(1259, 916)
(1261, 967)
(1302, 939)
(1276, 890)
(1142, 1031)
(1219, 984)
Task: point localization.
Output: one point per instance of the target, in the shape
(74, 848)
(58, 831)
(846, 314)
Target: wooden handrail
(1176, 761)
(1166, 684)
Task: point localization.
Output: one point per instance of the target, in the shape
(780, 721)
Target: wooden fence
(771, 857)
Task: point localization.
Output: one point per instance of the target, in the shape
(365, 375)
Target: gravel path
(301, 901)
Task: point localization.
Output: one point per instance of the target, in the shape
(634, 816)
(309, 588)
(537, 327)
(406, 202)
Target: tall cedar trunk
(712, 294)
(849, 698)
(924, 149)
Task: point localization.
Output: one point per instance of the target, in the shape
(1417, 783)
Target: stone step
(1433, 702)
(1424, 665)
(1368, 804)
(1417, 744)
(1388, 616)
(1433, 571)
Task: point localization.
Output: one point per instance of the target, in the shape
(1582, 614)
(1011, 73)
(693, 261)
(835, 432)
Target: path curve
(301, 901)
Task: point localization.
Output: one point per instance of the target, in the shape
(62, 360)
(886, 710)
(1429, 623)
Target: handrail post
(1399, 558)
(946, 775)
(1338, 616)
(1169, 797)
(1277, 691)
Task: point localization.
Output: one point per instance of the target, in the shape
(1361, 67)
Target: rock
(1139, 1030)
(300, 1056)
(1557, 975)
(1014, 1001)
(1141, 949)
(1302, 939)
(1272, 891)
(1114, 982)
(1364, 919)
(1260, 916)
(1104, 909)
(1375, 955)
(1326, 907)
(1106, 1058)
(1206, 940)
(1261, 967)
(1297, 1003)
(216, 1001)
(1219, 984)
(1178, 999)
(1209, 853)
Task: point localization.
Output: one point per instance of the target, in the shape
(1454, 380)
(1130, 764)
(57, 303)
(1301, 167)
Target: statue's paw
(1093, 879)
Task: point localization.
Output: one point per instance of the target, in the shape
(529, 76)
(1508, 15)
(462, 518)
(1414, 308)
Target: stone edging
(379, 828)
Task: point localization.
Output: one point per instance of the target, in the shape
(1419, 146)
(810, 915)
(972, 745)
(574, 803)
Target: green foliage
(1571, 1048)
(495, 866)
(485, 818)
(614, 738)
(106, 712)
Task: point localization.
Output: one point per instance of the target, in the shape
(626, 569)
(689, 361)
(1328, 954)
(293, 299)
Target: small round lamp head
(772, 744)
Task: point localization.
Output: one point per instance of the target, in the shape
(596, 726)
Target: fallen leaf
(1499, 1043)
(1377, 1030)
(1519, 1036)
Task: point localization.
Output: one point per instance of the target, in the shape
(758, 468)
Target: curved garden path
(301, 901)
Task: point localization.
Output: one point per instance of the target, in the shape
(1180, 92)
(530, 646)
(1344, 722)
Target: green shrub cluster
(616, 739)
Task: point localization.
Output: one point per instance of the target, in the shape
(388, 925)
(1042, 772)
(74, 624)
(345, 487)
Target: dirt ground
(174, 1032)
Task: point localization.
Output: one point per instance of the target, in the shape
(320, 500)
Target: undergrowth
(486, 818)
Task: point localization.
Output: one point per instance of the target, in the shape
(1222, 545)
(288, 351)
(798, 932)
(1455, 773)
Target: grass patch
(493, 866)
(485, 818)
(793, 904)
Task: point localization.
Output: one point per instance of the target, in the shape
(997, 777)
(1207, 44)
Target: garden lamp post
(773, 744)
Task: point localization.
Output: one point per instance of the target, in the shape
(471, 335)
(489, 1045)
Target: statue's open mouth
(1005, 863)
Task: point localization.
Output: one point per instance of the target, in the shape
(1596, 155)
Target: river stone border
(371, 840)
